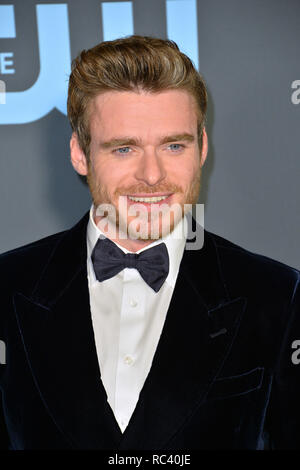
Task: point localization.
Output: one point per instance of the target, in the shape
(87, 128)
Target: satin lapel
(200, 327)
(56, 328)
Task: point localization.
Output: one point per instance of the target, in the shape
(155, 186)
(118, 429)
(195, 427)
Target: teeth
(147, 199)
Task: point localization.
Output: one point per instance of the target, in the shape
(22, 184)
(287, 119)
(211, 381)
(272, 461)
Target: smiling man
(119, 337)
(144, 149)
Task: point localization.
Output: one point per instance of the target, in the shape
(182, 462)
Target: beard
(119, 222)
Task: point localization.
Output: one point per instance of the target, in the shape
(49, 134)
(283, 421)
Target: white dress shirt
(128, 318)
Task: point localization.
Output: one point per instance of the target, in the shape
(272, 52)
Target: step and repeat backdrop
(248, 54)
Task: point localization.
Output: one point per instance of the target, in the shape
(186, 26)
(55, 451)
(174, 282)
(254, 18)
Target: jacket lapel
(57, 332)
(200, 327)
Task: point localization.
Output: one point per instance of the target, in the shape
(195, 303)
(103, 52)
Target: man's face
(143, 145)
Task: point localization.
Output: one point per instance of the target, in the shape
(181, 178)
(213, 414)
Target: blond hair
(132, 63)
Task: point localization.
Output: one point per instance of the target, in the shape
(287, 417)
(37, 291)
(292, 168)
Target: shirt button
(128, 360)
(133, 303)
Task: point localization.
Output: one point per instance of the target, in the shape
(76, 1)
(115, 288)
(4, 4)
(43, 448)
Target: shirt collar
(175, 243)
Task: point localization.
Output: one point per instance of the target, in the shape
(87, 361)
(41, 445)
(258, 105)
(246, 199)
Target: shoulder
(23, 264)
(252, 271)
(22, 267)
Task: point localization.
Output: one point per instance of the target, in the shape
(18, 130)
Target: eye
(122, 150)
(176, 147)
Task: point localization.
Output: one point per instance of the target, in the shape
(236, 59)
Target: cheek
(110, 176)
(102, 171)
(185, 168)
(187, 173)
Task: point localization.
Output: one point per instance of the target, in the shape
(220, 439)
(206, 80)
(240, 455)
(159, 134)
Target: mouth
(149, 199)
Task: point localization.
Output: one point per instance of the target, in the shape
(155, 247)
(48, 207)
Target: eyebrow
(122, 141)
(178, 137)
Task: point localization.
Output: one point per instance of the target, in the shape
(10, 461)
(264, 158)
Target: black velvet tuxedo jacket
(222, 376)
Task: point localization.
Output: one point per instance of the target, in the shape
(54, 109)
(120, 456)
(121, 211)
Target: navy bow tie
(153, 264)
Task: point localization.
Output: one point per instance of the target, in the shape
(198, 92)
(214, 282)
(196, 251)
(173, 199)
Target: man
(117, 337)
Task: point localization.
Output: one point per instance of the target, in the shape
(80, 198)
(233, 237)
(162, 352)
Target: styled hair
(133, 63)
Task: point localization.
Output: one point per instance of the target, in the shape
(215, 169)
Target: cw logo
(50, 89)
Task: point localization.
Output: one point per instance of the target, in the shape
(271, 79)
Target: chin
(148, 227)
(146, 233)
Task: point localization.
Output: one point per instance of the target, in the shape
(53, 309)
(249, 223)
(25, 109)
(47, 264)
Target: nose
(150, 169)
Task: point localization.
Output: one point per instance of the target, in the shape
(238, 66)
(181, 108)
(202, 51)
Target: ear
(204, 149)
(78, 157)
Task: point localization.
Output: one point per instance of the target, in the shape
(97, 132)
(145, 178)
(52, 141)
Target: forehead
(143, 113)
